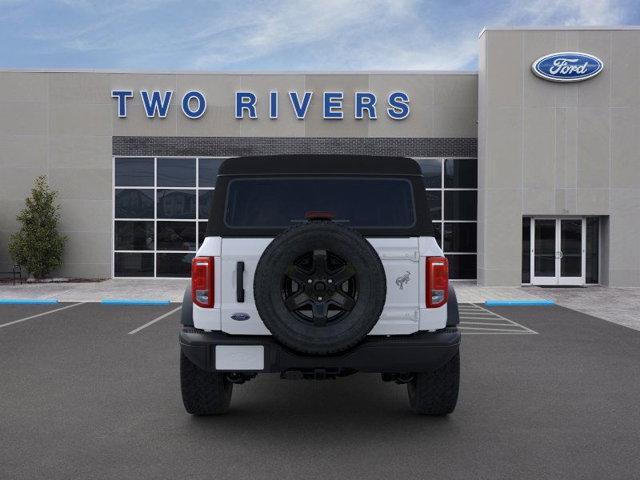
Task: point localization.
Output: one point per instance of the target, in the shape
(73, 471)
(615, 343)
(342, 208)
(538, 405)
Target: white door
(558, 251)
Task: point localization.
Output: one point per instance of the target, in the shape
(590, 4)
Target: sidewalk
(614, 304)
(469, 292)
(173, 289)
(121, 288)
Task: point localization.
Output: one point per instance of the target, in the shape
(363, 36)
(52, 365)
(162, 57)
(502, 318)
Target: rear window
(363, 202)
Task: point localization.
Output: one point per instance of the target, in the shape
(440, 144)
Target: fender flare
(453, 314)
(186, 314)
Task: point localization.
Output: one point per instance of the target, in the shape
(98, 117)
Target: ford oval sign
(240, 317)
(567, 66)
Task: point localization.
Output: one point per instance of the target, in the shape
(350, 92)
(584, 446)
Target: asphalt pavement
(85, 392)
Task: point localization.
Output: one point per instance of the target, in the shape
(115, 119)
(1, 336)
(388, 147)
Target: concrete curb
(28, 301)
(518, 303)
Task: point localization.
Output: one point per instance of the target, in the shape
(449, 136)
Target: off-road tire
(436, 392)
(344, 242)
(203, 393)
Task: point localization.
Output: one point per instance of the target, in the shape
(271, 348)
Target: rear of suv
(314, 267)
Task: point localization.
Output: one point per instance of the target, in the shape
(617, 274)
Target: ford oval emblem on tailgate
(567, 66)
(240, 317)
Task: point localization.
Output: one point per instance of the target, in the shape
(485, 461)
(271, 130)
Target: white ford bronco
(314, 267)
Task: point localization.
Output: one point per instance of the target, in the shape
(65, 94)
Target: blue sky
(274, 35)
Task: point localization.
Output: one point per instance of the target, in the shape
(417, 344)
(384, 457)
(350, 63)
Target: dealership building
(531, 164)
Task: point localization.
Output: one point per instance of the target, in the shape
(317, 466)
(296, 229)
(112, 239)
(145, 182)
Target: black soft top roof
(320, 164)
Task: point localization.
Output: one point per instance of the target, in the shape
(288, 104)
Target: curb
(28, 301)
(117, 301)
(518, 303)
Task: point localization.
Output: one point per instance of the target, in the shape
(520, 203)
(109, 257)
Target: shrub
(37, 246)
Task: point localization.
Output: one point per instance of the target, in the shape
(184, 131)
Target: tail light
(202, 281)
(437, 281)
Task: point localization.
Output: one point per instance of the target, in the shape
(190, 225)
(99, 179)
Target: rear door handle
(240, 282)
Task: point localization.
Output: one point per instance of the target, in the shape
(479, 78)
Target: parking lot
(92, 391)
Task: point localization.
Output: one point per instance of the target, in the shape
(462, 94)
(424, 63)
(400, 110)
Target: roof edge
(560, 27)
(238, 72)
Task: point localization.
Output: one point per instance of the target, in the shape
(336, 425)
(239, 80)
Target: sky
(277, 35)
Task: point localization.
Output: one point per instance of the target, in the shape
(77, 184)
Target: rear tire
(436, 392)
(203, 393)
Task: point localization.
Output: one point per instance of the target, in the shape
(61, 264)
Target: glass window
(134, 203)
(460, 237)
(434, 198)
(160, 214)
(593, 245)
(457, 232)
(205, 198)
(202, 232)
(134, 172)
(437, 232)
(462, 267)
(133, 235)
(133, 264)
(571, 247)
(176, 172)
(281, 202)
(431, 172)
(176, 235)
(176, 203)
(460, 205)
(174, 264)
(208, 171)
(460, 173)
(526, 250)
(544, 261)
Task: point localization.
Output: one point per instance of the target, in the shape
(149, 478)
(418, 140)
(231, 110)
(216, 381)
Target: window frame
(442, 189)
(201, 222)
(197, 220)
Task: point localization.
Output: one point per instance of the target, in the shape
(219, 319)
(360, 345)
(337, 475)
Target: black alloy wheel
(320, 287)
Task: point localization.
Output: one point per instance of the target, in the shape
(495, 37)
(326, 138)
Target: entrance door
(558, 251)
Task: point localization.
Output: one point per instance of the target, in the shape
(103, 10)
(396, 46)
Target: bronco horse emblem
(403, 279)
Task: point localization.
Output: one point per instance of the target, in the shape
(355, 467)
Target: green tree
(38, 246)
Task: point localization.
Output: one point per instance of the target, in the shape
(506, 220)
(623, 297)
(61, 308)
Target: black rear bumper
(419, 352)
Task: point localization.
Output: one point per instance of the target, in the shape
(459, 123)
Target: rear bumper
(419, 352)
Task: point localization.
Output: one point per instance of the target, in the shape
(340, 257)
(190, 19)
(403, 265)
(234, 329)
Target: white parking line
(39, 315)
(491, 332)
(165, 315)
(464, 317)
(487, 323)
(483, 319)
(477, 320)
(503, 330)
(479, 312)
(508, 320)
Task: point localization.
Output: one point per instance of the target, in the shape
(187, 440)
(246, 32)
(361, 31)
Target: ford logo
(240, 317)
(567, 66)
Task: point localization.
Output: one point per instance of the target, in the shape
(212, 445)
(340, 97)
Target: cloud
(384, 35)
(569, 12)
(333, 27)
(288, 34)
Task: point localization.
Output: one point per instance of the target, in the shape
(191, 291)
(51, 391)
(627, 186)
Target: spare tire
(319, 288)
